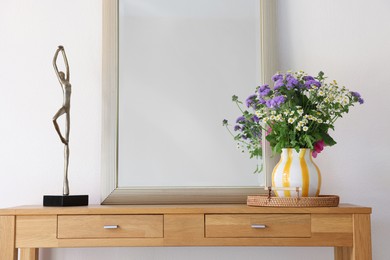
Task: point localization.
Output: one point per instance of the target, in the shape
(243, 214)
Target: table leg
(362, 237)
(7, 238)
(29, 254)
(361, 249)
(343, 253)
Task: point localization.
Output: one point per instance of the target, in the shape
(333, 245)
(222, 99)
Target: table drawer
(257, 225)
(110, 226)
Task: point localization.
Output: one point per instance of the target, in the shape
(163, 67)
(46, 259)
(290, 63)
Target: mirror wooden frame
(111, 193)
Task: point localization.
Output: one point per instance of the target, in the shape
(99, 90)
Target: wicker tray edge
(320, 201)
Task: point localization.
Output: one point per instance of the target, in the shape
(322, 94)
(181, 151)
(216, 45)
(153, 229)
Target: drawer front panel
(257, 225)
(110, 226)
(36, 231)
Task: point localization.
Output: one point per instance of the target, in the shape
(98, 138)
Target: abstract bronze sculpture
(63, 78)
(65, 109)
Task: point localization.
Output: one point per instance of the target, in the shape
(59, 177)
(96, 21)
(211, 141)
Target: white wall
(349, 40)
(31, 154)
(351, 46)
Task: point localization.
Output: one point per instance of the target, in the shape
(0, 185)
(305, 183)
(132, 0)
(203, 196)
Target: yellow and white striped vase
(296, 169)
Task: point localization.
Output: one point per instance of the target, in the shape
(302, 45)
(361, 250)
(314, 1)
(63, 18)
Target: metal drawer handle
(111, 227)
(258, 226)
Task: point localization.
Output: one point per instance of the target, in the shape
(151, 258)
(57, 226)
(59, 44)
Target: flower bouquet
(296, 113)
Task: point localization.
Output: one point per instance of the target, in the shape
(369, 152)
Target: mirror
(169, 70)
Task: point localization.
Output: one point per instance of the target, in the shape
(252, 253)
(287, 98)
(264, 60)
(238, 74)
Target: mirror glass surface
(180, 62)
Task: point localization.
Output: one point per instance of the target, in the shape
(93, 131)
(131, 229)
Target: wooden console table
(346, 228)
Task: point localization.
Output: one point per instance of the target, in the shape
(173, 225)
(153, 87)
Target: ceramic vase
(296, 169)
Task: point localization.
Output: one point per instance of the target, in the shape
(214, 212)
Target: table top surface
(179, 209)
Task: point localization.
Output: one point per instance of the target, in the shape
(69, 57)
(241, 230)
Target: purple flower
(240, 119)
(279, 100)
(358, 96)
(262, 101)
(237, 127)
(312, 82)
(270, 103)
(264, 90)
(255, 119)
(355, 94)
(250, 101)
(279, 83)
(291, 81)
(306, 78)
(275, 102)
(277, 77)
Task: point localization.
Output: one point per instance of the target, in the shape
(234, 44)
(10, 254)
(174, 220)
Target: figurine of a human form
(63, 78)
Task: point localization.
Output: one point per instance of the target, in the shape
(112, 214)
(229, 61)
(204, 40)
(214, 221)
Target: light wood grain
(361, 249)
(181, 239)
(332, 223)
(343, 253)
(183, 229)
(240, 225)
(110, 242)
(81, 226)
(7, 238)
(36, 231)
(346, 228)
(29, 254)
(178, 209)
(361, 237)
(317, 240)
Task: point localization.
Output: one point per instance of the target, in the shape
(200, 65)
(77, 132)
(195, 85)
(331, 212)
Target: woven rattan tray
(300, 202)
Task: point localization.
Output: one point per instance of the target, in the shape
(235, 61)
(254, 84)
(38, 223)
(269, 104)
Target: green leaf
(258, 169)
(328, 140)
(278, 148)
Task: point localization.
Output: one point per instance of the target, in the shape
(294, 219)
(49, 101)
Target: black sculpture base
(65, 201)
